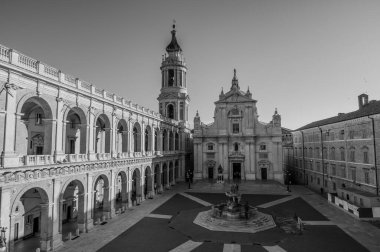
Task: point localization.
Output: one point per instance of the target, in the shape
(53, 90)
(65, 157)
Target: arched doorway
(157, 177)
(136, 185)
(122, 137)
(101, 198)
(137, 137)
(121, 197)
(176, 170)
(164, 140)
(30, 222)
(148, 182)
(34, 130)
(76, 130)
(164, 175)
(72, 211)
(171, 172)
(103, 136)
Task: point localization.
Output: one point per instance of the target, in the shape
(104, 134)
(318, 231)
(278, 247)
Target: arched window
(146, 140)
(170, 111)
(342, 154)
(332, 153)
(155, 140)
(176, 141)
(135, 139)
(236, 146)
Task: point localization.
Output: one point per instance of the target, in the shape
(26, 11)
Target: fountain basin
(256, 223)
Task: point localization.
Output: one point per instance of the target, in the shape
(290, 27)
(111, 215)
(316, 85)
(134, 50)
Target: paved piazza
(166, 223)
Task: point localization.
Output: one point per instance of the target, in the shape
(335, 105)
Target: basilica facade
(237, 144)
(74, 153)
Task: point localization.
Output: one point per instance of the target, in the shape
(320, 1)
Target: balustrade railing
(38, 159)
(4, 53)
(28, 63)
(77, 157)
(103, 156)
(137, 154)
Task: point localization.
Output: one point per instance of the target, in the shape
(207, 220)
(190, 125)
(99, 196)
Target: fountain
(232, 216)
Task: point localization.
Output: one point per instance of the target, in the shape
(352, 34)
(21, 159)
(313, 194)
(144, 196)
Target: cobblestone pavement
(362, 232)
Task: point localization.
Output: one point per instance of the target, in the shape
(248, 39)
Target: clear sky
(310, 59)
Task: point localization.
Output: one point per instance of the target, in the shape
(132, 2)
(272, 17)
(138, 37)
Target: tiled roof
(373, 107)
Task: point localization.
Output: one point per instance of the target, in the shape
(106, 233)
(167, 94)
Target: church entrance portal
(210, 172)
(263, 173)
(236, 171)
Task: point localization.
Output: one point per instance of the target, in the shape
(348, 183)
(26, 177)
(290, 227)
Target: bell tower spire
(173, 99)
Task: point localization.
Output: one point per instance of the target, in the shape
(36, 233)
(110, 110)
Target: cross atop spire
(235, 81)
(173, 46)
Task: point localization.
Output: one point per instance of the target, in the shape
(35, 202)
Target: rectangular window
(210, 147)
(366, 176)
(29, 219)
(353, 174)
(352, 134)
(181, 110)
(334, 186)
(343, 171)
(342, 154)
(333, 170)
(325, 183)
(341, 135)
(311, 165)
(332, 136)
(263, 147)
(318, 167)
(325, 168)
(235, 128)
(352, 155)
(38, 118)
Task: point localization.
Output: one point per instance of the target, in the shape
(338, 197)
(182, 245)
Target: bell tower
(173, 99)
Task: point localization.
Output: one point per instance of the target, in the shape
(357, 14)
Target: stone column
(152, 142)
(81, 219)
(142, 138)
(59, 131)
(113, 132)
(129, 178)
(130, 137)
(167, 176)
(91, 134)
(10, 158)
(152, 192)
(89, 209)
(50, 238)
(111, 197)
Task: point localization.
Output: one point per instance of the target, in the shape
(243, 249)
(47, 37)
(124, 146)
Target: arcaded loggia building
(73, 154)
(237, 141)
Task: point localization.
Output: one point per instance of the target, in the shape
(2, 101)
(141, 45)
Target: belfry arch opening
(170, 111)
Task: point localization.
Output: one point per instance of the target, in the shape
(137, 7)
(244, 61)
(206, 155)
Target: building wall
(33, 88)
(342, 169)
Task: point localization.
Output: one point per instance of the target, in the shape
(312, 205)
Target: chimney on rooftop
(363, 100)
